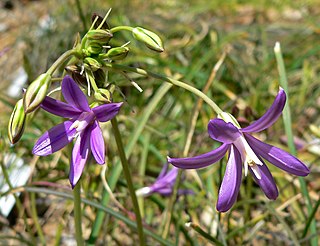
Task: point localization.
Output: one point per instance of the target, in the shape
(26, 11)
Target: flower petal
(223, 132)
(73, 94)
(278, 157)
(54, 139)
(97, 143)
(164, 170)
(270, 116)
(200, 161)
(106, 112)
(266, 183)
(79, 157)
(59, 108)
(230, 185)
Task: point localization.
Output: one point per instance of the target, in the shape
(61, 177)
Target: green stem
(36, 220)
(116, 171)
(61, 60)
(175, 82)
(121, 28)
(78, 214)
(126, 172)
(288, 129)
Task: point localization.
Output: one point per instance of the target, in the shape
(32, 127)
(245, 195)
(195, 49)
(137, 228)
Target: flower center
(248, 156)
(83, 121)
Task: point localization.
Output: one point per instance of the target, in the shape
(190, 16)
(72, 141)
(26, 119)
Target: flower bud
(93, 64)
(117, 53)
(94, 48)
(99, 35)
(103, 95)
(150, 39)
(36, 92)
(16, 122)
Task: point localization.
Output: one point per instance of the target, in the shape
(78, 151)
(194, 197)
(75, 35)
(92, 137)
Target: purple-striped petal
(79, 157)
(54, 139)
(106, 112)
(97, 143)
(230, 185)
(73, 94)
(200, 161)
(270, 116)
(59, 108)
(223, 132)
(266, 183)
(278, 157)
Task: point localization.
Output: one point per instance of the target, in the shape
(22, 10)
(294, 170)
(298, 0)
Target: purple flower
(164, 184)
(246, 149)
(83, 125)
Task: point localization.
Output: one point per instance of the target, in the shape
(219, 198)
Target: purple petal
(97, 143)
(278, 157)
(73, 94)
(168, 180)
(79, 157)
(231, 181)
(223, 132)
(266, 182)
(54, 139)
(59, 108)
(106, 112)
(200, 161)
(270, 116)
(163, 172)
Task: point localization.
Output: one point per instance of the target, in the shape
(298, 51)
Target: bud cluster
(88, 68)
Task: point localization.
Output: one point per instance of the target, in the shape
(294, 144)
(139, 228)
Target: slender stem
(36, 220)
(116, 171)
(121, 28)
(61, 60)
(126, 172)
(193, 122)
(288, 129)
(181, 84)
(78, 214)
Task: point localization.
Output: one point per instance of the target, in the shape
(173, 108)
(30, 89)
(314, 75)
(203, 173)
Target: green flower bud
(99, 35)
(93, 64)
(117, 53)
(103, 95)
(150, 39)
(16, 122)
(36, 92)
(94, 48)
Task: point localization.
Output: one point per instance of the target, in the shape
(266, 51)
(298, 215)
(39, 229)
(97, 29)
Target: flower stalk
(175, 82)
(78, 214)
(128, 178)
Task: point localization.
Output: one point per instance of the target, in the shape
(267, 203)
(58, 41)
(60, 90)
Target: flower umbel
(83, 125)
(246, 149)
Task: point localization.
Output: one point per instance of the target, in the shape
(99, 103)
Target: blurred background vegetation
(33, 34)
